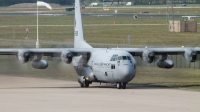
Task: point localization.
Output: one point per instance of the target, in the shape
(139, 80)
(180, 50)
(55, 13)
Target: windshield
(124, 58)
(115, 57)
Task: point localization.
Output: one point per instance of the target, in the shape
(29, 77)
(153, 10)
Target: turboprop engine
(190, 55)
(148, 56)
(66, 57)
(165, 63)
(23, 56)
(39, 64)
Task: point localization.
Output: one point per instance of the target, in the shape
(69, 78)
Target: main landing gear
(121, 85)
(87, 83)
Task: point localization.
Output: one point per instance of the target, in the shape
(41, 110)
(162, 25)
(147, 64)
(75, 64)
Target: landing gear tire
(82, 85)
(87, 83)
(119, 86)
(124, 86)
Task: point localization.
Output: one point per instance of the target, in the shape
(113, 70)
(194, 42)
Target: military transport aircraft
(114, 65)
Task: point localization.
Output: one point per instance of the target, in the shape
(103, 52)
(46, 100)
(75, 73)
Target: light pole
(103, 4)
(37, 41)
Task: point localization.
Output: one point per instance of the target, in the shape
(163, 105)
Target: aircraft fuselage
(109, 66)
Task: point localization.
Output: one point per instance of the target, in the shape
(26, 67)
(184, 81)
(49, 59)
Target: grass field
(137, 9)
(98, 30)
(143, 31)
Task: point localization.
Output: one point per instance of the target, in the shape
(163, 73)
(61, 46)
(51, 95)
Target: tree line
(70, 2)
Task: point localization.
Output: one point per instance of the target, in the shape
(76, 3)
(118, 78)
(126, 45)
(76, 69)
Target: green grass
(173, 78)
(152, 9)
(98, 30)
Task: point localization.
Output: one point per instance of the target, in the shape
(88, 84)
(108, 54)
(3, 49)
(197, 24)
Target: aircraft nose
(126, 73)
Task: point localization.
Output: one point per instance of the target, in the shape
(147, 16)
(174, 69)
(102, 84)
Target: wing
(161, 51)
(43, 51)
(65, 54)
(148, 55)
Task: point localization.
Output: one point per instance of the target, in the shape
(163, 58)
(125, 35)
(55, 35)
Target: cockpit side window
(114, 57)
(128, 58)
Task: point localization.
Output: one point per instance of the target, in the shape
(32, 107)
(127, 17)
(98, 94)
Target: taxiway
(23, 94)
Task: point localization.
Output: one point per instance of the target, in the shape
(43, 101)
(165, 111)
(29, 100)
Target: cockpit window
(124, 57)
(119, 57)
(114, 57)
(128, 58)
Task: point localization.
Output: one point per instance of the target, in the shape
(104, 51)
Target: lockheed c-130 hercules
(114, 65)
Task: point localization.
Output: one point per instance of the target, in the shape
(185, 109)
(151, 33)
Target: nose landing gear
(121, 85)
(87, 83)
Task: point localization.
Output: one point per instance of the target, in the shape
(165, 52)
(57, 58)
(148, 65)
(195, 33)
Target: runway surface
(23, 94)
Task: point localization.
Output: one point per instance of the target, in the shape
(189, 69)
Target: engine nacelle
(39, 64)
(165, 63)
(81, 79)
(148, 56)
(66, 56)
(190, 55)
(23, 56)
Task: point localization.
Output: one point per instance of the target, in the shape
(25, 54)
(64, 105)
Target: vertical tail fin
(79, 40)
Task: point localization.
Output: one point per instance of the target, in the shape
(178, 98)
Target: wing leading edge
(44, 51)
(133, 51)
(161, 51)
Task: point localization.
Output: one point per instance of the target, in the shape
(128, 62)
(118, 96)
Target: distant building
(183, 26)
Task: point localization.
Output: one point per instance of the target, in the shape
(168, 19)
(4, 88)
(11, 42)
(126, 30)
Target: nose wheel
(87, 83)
(121, 85)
